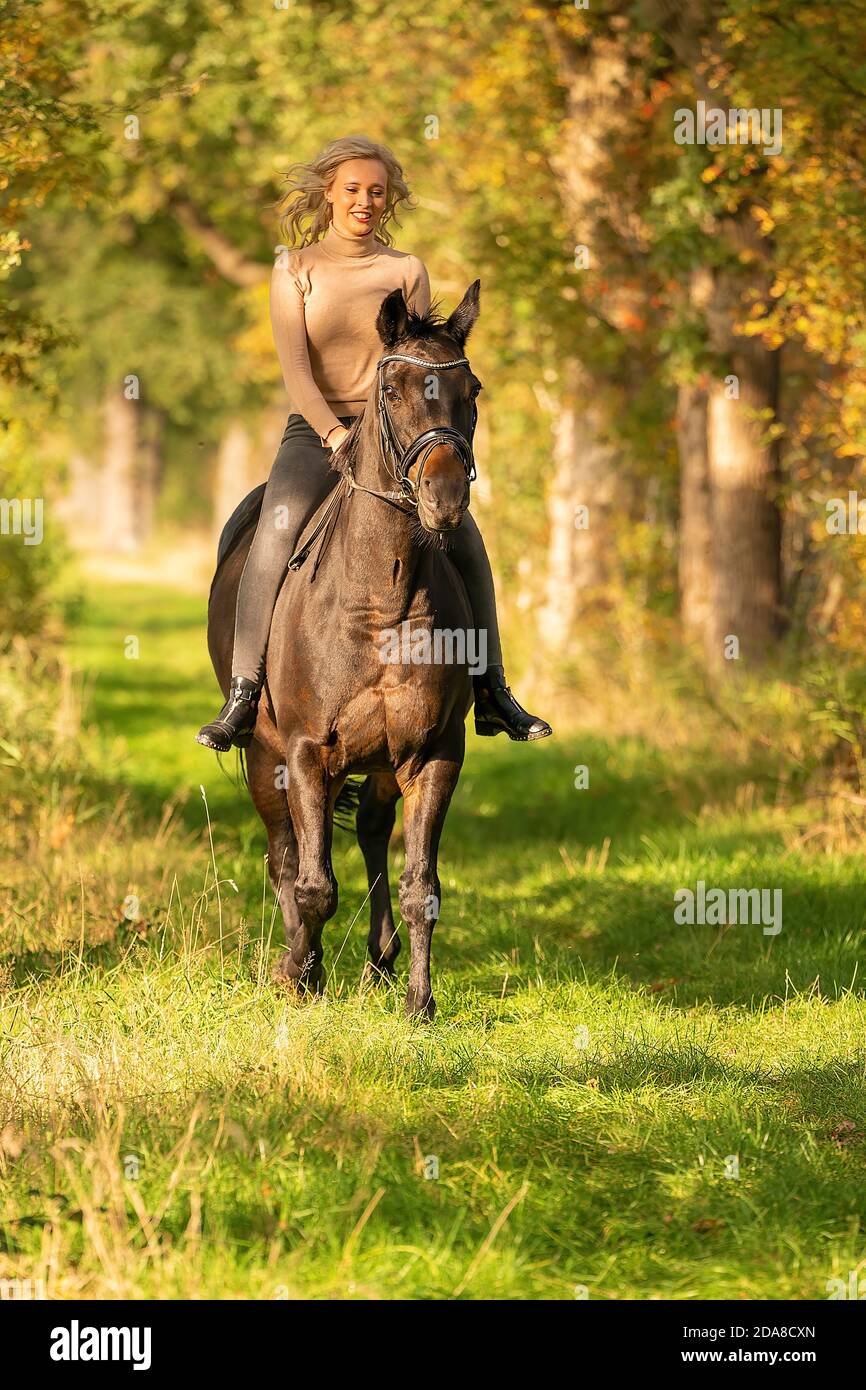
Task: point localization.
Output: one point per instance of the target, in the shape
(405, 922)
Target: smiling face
(357, 196)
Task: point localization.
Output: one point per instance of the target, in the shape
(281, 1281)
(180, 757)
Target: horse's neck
(380, 557)
(380, 561)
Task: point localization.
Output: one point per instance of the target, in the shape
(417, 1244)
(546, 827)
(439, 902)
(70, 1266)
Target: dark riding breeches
(300, 480)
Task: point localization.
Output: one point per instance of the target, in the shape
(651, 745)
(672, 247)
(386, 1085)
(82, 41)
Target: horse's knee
(419, 898)
(316, 897)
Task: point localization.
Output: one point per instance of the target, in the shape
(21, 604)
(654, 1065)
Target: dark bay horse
(331, 705)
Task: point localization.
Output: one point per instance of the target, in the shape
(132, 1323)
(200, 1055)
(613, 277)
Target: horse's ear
(461, 322)
(392, 322)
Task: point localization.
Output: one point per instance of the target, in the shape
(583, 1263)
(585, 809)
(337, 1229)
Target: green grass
(591, 1068)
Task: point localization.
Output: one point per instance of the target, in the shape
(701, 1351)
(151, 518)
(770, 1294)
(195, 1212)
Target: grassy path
(635, 1108)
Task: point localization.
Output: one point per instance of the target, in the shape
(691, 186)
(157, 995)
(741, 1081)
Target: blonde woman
(324, 303)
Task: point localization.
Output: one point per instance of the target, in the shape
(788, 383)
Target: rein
(331, 506)
(398, 462)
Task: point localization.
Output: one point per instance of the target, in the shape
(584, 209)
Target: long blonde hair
(306, 184)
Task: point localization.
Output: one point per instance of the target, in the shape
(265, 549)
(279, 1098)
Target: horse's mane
(425, 326)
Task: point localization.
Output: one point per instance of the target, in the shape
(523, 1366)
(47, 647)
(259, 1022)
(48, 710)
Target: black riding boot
(496, 709)
(236, 720)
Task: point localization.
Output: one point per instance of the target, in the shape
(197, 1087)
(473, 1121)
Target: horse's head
(426, 406)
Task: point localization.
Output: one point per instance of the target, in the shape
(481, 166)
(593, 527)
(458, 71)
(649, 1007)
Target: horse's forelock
(424, 326)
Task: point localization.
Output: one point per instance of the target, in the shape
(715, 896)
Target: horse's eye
(391, 391)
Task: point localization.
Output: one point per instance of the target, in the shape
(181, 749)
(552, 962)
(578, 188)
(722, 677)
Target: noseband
(401, 461)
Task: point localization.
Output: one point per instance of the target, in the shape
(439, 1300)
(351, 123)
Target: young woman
(325, 300)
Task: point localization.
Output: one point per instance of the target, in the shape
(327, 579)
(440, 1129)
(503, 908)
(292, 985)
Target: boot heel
(243, 740)
(485, 729)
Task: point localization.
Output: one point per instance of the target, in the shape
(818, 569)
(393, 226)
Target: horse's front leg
(374, 824)
(315, 885)
(426, 798)
(264, 764)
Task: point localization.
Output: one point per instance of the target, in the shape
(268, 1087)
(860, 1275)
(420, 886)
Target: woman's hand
(336, 437)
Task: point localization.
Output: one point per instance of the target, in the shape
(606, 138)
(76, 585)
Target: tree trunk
(578, 501)
(233, 470)
(695, 529)
(596, 79)
(150, 471)
(118, 484)
(244, 459)
(744, 474)
(482, 489)
(743, 466)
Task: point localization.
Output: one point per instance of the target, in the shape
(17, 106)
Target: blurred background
(672, 337)
(671, 452)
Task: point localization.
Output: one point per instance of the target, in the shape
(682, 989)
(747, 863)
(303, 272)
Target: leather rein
(399, 462)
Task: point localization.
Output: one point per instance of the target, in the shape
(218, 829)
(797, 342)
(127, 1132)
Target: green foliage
(838, 691)
(51, 141)
(37, 591)
(133, 309)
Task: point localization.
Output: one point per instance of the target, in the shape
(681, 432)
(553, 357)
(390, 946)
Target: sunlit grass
(171, 1126)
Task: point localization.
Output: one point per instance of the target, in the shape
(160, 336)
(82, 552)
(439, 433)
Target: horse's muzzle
(443, 496)
(441, 518)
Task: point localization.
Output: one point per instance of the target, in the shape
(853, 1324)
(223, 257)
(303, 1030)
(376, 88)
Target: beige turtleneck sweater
(324, 304)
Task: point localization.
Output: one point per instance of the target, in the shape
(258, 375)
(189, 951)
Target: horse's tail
(240, 768)
(347, 803)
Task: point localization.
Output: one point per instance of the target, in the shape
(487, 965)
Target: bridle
(398, 461)
(401, 461)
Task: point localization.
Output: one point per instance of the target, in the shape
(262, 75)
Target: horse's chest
(389, 722)
(376, 685)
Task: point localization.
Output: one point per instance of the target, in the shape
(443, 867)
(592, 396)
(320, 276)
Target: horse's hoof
(314, 983)
(377, 974)
(419, 1007)
(282, 980)
(285, 975)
